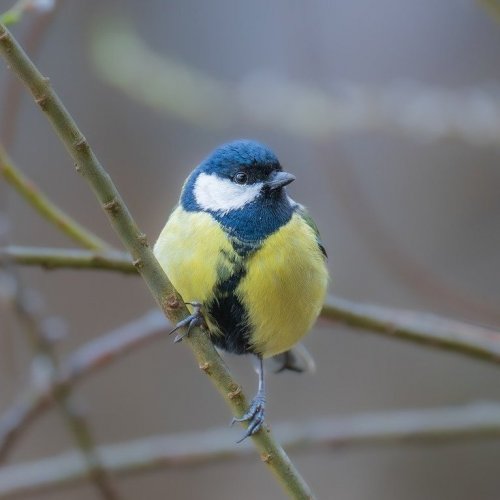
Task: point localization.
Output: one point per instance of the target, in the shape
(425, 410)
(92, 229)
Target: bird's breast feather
(189, 249)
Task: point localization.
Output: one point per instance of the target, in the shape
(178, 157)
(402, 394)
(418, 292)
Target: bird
(247, 260)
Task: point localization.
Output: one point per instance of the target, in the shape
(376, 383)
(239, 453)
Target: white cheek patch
(222, 195)
(293, 203)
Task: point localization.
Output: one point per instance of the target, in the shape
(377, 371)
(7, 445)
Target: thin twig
(21, 7)
(42, 204)
(46, 359)
(425, 329)
(422, 328)
(417, 110)
(56, 258)
(111, 347)
(135, 241)
(12, 95)
(348, 190)
(493, 8)
(475, 421)
(89, 358)
(45, 354)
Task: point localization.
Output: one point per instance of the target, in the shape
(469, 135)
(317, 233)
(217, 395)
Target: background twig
(124, 61)
(478, 421)
(46, 362)
(56, 258)
(43, 205)
(423, 328)
(82, 363)
(46, 11)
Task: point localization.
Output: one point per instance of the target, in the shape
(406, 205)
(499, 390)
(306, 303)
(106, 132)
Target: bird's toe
(255, 417)
(191, 321)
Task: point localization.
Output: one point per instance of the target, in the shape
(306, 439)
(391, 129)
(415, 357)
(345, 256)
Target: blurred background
(388, 114)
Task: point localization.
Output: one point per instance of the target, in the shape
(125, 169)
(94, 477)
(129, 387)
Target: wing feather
(302, 211)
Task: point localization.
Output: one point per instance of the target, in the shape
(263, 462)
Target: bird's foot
(254, 416)
(194, 319)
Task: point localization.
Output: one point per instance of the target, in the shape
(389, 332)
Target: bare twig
(387, 247)
(46, 359)
(83, 362)
(423, 328)
(493, 8)
(124, 60)
(56, 258)
(475, 421)
(426, 329)
(135, 242)
(33, 42)
(16, 12)
(42, 204)
(114, 345)
(429, 330)
(24, 304)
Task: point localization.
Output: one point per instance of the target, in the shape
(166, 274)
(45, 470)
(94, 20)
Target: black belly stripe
(226, 310)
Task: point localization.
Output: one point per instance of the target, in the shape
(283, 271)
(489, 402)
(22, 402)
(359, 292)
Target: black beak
(279, 180)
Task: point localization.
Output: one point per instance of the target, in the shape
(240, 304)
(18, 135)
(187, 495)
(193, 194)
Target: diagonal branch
(475, 421)
(46, 208)
(45, 357)
(93, 356)
(136, 243)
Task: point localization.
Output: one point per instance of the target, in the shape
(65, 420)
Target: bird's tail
(297, 359)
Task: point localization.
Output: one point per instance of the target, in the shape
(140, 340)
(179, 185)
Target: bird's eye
(240, 178)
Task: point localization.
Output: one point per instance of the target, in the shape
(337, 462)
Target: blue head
(242, 185)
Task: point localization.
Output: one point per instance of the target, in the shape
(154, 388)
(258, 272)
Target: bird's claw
(254, 416)
(194, 319)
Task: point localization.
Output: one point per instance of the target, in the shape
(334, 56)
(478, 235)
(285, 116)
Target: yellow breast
(285, 287)
(188, 249)
(282, 290)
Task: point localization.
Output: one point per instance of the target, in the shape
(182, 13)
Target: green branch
(493, 8)
(56, 258)
(21, 7)
(15, 13)
(426, 329)
(46, 208)
(475, 421)
(136, 243)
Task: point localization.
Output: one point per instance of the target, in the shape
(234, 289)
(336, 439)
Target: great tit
(247, 258)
